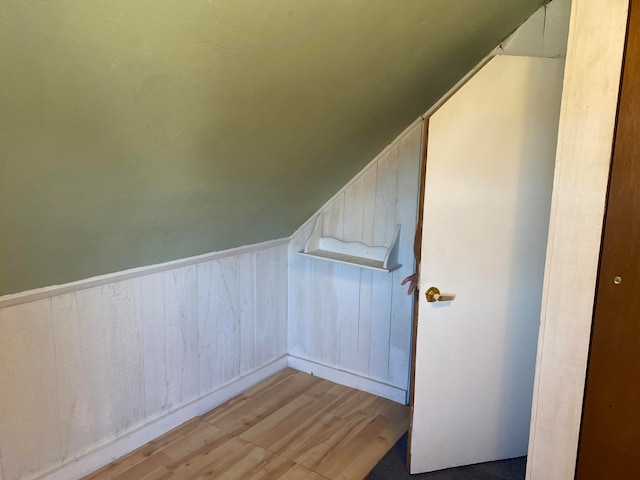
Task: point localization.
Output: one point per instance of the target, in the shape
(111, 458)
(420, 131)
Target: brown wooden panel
(610, 435)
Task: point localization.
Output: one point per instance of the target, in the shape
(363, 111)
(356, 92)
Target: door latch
(433, 295)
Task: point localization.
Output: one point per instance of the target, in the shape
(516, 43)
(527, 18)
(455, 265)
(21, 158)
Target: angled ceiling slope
(133, 133)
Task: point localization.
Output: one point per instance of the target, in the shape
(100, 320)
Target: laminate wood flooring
(293, 426)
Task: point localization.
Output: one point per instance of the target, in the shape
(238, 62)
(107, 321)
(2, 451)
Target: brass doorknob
(433, 295)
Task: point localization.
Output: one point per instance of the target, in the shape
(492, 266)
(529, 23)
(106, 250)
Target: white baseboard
(79, 467)
(349, 379)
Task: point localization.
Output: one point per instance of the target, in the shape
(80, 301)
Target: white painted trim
(586, 136)
(89, 462)
(348, 379)
(54, 290)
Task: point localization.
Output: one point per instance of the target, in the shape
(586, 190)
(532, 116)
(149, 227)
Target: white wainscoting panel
(271, 304)
(347, 318)
(29, 415)
(90, 373)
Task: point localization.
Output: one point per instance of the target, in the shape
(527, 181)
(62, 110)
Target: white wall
(82, 368)
(348, 318)
(585, 139)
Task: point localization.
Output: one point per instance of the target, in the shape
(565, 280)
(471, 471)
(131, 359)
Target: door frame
(585, 140)
(600, 346)
(587, 119)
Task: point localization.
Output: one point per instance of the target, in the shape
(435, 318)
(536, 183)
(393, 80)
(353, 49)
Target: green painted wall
(136, 132)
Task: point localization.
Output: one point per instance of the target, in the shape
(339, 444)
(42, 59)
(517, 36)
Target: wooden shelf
(383, 259)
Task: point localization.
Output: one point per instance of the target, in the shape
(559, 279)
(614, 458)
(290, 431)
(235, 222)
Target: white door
(490, 160)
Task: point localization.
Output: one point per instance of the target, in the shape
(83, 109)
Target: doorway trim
(585, 141)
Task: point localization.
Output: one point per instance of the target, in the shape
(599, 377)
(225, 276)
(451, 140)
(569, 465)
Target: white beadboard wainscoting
(92, 370)
(351, 319)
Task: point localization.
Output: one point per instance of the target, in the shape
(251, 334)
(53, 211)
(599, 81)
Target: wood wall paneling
(154, 344)
(247, 312)
(218, 301)
(183, 362)
(300, 316)
(271, 304)
(384, 199)
(29, 421)
(401, 304)
(99, 370)
(348, 318)
(91, 366)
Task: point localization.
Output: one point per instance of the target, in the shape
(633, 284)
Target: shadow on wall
(531, 214)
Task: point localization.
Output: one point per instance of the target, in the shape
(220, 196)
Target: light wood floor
(293, 426)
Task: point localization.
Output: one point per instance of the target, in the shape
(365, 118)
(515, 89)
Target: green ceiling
(139, 131)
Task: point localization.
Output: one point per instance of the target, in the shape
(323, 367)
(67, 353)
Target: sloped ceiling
(135, 132)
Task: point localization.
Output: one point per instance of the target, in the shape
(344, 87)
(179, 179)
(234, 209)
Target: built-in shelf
(352, 253)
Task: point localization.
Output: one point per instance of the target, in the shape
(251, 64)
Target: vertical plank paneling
(333, 218)
(356, 319)
(218, 322)
(271, 303)
(385, 220)
(324, 289)
(386, 197)
(99, 363)
(326, 344)
(228, 291)
(29, 422)
(154, 343)
(369, 181)
(125, 347)
(406, 215)
(247, 312)
(354, 205)
(380, 325)
(364, 322)
(79, 334)
(282, 276)
(180, 293)
(300, 320)
(81, 369)
(208, 312)
(348, 313)
(358, 222)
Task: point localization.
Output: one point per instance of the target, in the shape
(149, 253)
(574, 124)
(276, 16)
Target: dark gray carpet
(392, 467)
